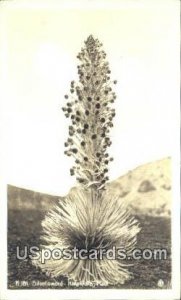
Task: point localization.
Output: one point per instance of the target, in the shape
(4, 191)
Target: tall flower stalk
(89, 109)
(90, 217)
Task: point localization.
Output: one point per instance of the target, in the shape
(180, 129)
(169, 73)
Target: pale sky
(39, 45)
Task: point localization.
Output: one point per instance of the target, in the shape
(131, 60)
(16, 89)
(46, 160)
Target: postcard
(89, 156)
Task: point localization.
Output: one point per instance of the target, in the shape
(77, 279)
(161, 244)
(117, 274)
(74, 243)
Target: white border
(174, 293)
(83, 4)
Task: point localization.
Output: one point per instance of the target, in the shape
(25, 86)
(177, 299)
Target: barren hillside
(147, 188)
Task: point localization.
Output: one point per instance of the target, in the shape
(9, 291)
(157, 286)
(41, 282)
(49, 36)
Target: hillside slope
(147, 188)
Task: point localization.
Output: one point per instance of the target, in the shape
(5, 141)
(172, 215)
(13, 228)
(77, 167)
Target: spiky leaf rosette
(78, 222)
(89, 109)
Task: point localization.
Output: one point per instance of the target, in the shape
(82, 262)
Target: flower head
(90, 112)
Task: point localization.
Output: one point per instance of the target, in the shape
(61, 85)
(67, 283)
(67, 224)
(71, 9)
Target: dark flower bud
(98, 98)
(94, 136)
(80, 98)
(89, 99)
(115, 81)
(98, 105)
(69, 110)
(83, 131)
(66, 96)
(85, 158)
(77, 161)
(102, 120)
(74, 150)
(105, 170)
(67, 153)
(106, 162)
(87, 112)
(82, 143)
(66, 144)
(77, 119)
(72, 172)
(81, 180)
(86, 126)
(72, 91)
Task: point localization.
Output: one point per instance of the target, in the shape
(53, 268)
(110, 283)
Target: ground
(24, 228)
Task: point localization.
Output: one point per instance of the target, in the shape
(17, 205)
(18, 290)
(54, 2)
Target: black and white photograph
(89, 128)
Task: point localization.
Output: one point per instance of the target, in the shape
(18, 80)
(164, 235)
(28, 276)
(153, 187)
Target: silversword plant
(90, 217)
